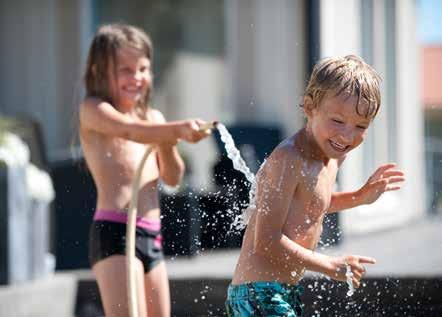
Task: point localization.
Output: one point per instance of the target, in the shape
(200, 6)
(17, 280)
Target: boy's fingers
(381, 183)
(356, 282)
(390, 188)
(383, 168)
(393, 173)
(396, 179)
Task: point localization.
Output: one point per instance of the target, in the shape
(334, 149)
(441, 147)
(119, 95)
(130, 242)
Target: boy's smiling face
(335, 124)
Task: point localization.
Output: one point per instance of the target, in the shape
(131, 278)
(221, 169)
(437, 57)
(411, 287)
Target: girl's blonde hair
(348, 75)
(102, 59)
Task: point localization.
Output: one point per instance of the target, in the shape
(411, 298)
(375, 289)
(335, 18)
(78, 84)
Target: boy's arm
(344, 200)
(170, 163)
(384, 179)
(277, 183)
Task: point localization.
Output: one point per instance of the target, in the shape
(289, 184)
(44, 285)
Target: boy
(294, 192)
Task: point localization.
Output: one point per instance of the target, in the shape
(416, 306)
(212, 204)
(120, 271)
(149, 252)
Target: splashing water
(239, 164)
(349, 276)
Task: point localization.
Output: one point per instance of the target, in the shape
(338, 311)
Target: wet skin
(113, 160)
(303, 222)
(295, 191)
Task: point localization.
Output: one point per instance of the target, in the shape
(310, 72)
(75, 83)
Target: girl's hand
(190, 130)
(386, 178)
(355, 262)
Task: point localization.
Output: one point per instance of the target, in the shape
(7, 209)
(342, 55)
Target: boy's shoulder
(290, 147)
(287, 151)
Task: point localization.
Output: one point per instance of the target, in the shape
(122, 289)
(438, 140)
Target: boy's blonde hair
(348, 75)
(102, 59)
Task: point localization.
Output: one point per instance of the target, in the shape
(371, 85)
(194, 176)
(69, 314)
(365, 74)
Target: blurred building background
(236, 61)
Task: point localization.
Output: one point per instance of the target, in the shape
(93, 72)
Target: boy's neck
(310, 147)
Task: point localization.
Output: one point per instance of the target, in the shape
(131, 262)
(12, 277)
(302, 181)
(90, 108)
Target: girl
(116, 122)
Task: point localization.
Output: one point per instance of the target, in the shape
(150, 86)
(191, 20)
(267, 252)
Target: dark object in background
(181, 224)
(75, 197)
(255, 142)
(331, 233)
(216, 221)
(263, 139)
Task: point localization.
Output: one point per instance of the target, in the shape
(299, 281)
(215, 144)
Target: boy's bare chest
(315, 188)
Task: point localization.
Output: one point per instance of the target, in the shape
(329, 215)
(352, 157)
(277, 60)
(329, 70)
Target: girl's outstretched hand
(385, 178)
(190, 130)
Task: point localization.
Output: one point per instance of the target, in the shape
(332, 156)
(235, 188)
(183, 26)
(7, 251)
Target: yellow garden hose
(130, 231)
(130, 239)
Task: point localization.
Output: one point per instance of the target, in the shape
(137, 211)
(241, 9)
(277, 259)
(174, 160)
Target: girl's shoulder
(155, 116)
(91, 102)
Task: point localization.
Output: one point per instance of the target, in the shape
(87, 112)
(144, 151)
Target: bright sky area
(429, 21)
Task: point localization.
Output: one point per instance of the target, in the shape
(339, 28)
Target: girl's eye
(361, 127)
(337, 121)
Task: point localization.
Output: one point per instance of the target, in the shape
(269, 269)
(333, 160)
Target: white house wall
(266, 58)
(397, 131)
(41, 65)
(411, 155)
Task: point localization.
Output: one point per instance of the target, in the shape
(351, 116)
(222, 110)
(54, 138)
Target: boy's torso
(303, 225)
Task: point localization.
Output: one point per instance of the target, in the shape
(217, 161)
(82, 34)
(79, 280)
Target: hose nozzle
(209, 126)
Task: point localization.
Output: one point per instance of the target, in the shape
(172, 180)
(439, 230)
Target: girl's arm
(97, 115)
(170, 163)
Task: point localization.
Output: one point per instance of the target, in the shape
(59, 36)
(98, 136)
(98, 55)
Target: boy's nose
(347, 136)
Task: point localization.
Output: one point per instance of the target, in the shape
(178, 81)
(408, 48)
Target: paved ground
(406, 281)
(413, 250)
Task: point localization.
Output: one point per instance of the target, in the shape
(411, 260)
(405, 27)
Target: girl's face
(133, 78)
(336, 126)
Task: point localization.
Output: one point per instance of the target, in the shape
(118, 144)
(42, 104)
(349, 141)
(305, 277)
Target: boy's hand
(339, 265)
(386, 178)
(190, 130)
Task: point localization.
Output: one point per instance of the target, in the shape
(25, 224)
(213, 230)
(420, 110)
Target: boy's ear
(308, 105)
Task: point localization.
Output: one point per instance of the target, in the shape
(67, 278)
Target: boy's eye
(337, 121)
(362, 127)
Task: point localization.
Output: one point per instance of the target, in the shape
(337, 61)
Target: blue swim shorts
(264, 299)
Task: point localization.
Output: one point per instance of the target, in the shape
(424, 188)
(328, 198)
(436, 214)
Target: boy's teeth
(338, 145)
